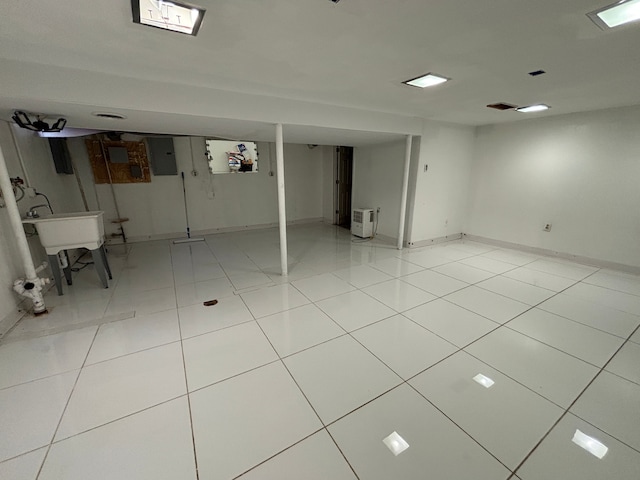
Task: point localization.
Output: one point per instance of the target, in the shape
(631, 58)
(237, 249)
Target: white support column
(21, 238)
(405, 188)
(282, 212)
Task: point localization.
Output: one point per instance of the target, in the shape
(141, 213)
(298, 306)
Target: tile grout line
(349, 333)
(184, 364)
(305, 396)
(566, 412)
(64, 410)
(505, 325)
(406, 382)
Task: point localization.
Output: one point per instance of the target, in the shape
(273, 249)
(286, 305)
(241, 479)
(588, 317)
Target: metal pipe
(20, 158)
(21, 238)
(405, 188)
(282, 212)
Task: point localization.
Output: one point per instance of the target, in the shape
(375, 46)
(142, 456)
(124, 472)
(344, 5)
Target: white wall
(441, 193)
(62, 191)
(224, 201)
(377, 182)
(580, 172)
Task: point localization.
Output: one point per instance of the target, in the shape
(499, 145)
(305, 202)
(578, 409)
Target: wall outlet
(547, 227)
(210, 195)
(31, 192)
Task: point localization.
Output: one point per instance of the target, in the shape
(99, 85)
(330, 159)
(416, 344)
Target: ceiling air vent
(111, 115)
(501, 106)
(535, 73)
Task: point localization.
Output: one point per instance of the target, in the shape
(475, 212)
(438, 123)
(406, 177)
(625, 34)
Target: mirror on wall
(227, 156)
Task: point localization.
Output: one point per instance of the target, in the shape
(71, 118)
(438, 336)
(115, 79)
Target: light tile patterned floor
(303, 377)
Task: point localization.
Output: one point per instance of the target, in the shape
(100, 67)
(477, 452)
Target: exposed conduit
(33, 284)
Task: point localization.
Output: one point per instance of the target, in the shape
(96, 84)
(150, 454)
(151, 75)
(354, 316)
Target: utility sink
(65, 231)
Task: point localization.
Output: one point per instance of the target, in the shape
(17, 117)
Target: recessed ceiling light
(484, 381)
(590, 444)
(533, 108)
(111, 115)
(427, 80)
(173, 16)
(395, 443)
(616, 14)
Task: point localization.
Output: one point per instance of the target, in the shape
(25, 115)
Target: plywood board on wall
(120, 172)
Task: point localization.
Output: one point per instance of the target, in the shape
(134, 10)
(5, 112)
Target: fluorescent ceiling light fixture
(395, 443)
(484, 381)
(533, 108)
(616, 14)
(427, 80)
(173, 16)
(590, 444)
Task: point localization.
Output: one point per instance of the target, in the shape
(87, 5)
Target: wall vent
(502, 106)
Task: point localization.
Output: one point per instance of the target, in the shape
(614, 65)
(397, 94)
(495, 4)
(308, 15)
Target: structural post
(405, 188)
(282, 212)
(21, 238)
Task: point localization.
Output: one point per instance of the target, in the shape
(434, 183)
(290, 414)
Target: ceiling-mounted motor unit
(362, 222)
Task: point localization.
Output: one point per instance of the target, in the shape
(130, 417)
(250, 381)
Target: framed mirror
(228, 156)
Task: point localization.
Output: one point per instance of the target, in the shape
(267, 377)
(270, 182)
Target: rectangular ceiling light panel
(427, 80)
(533, 108)
(173, 16)
(616, 14)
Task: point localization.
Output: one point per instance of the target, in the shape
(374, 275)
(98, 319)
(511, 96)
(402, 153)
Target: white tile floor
(302, 378)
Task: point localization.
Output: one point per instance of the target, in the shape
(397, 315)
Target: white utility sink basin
(64, 231)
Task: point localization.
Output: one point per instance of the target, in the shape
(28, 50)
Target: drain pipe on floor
(32, 286)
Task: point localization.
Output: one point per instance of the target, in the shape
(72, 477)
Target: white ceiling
(351, 55)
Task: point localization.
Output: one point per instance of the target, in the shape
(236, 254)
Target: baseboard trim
(434, 241)
(213, 231)
(593, 262)
(10, 320)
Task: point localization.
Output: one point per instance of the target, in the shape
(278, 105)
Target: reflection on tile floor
(486, 361)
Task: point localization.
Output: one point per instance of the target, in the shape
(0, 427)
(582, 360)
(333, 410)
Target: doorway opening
(344, 180)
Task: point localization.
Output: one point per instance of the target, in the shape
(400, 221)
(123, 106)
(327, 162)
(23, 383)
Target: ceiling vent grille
(501, 106)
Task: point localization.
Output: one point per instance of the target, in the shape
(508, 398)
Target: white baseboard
(213, 231)
(12, 318)
(594, 262)
(434, 241)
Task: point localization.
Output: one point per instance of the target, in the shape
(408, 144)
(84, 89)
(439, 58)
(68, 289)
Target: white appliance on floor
(362, 222)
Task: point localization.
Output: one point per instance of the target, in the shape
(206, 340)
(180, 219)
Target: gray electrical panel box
(163, 156)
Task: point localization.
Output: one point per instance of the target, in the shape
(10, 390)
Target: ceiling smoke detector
(37, 125)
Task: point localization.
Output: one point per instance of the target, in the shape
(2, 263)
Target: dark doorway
(344, 172)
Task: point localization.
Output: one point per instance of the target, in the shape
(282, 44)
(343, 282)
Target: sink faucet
(33, 212)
